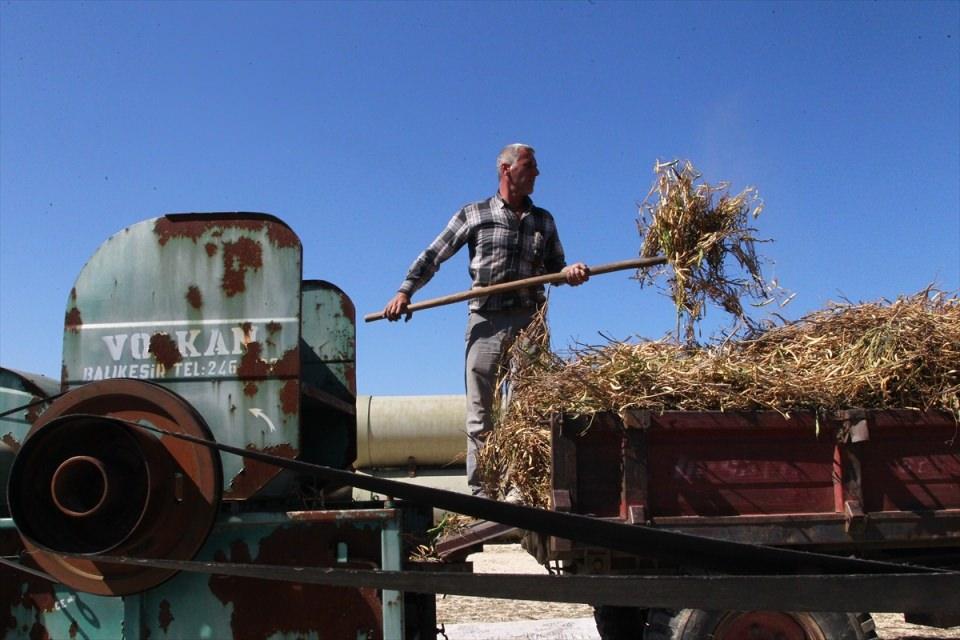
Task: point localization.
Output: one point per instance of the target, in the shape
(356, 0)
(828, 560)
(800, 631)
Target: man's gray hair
(509, 154)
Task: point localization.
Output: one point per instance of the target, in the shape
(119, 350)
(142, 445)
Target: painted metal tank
(405, 431)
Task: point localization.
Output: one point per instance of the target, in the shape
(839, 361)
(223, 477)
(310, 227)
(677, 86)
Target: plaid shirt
(502, 247)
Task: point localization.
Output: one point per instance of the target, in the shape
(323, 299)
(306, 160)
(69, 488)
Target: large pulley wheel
(86, 481)
(696, 624)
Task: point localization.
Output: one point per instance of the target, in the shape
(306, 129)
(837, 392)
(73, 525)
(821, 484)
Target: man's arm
(454, 236)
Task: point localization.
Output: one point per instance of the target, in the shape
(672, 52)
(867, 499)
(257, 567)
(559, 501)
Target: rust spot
(164, 350)
(350, 373)
(165, 229)
(211, 249)
(246, 327)
(237, 258)
(11, 442)
(289, 609)
(39, 632)
(194, 297)
(191, 228)
(272, 329)
(44, 600)
(73, 321)
(21, 591)
(251, 366)
(254, 475)
(282, 236)
(288, 364)
(250, 389)
(165, 616)
(349, 311)
(34, 412)
(64, 376)
(74, 628)
(290, 397)
(73, 293)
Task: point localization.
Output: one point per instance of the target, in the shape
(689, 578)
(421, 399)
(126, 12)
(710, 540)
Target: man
(508, 238)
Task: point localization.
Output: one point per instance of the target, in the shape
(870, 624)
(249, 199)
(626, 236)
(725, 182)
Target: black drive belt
(921, 593)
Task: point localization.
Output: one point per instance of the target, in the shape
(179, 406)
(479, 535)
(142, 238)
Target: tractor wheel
(696, 624)
(620, 623)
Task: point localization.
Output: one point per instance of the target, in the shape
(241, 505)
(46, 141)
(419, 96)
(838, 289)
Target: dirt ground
(469, 618)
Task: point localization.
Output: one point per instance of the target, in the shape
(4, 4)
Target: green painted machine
(202, 325)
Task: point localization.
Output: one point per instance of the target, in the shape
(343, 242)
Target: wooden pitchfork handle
(503, 287)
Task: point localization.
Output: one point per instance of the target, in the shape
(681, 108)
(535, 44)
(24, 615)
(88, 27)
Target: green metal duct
(411, 431)
(18, 388)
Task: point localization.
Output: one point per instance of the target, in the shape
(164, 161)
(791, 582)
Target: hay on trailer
(698, 227)
(874, 355)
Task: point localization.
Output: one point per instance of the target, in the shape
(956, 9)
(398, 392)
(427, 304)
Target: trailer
(192, 476)
(880, 484)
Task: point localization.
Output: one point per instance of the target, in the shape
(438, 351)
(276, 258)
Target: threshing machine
(200, 325)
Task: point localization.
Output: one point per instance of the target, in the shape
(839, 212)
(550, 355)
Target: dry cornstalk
(698, 227)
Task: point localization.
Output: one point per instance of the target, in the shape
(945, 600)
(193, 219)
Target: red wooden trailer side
(881, 484)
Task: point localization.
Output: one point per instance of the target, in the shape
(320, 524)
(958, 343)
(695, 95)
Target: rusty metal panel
(18, 389)
(200, 605)
(330, 332)
(209, 306)
(195, 605)
(31, 607)
(328, 374)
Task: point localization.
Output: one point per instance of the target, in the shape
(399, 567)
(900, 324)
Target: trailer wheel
(696, 624)
(620, 623)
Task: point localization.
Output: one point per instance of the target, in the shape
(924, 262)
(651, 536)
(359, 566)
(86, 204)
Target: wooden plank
(505, 287)
(635, 481)
(563, 476)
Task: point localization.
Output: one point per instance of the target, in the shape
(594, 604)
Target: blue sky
(366, 125)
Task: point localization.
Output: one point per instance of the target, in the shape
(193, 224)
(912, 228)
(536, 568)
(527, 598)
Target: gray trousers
(489, 333)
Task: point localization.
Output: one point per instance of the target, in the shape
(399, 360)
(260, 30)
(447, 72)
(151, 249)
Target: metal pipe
(405, 431)
(80, 486)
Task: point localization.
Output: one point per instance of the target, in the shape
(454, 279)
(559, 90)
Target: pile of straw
(698, 227)
(900, 354)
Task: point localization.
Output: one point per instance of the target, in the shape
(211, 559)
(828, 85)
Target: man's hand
(576, 274)
(397, 307)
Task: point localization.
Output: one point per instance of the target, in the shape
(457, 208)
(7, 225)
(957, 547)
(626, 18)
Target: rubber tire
(697, 624)
(620, 623)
